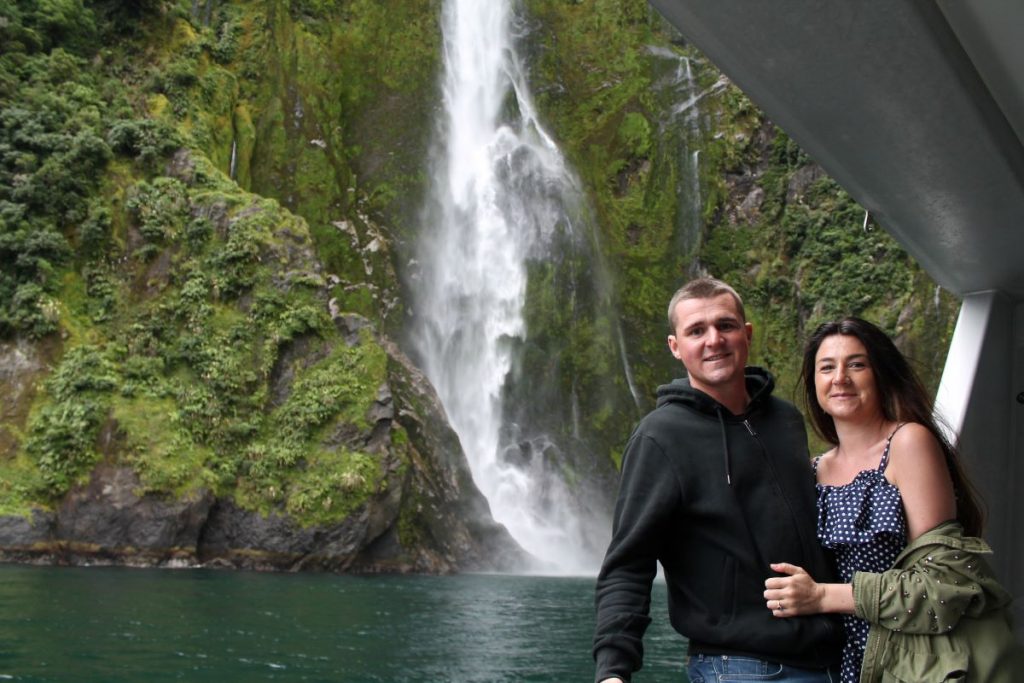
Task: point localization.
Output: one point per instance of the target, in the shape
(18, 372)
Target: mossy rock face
(214, 365)
(415, 510)
(22, 365)
(633, 106)
(195, 325)
(205, 210)
(230, 398)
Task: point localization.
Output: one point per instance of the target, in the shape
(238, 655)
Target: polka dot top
(864, 525)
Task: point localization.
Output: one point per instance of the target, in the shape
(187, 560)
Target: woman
(932, 608)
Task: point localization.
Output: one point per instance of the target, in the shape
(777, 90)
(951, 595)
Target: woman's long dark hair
(903, 397)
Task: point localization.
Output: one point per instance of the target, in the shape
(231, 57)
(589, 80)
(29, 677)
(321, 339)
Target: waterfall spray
(500, 190)
(680, 88)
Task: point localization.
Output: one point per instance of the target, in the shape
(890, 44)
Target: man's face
(712, 341)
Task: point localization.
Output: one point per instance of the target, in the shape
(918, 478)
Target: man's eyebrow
(731, 319)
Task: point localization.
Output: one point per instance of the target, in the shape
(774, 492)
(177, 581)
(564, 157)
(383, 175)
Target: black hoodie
(714, 497)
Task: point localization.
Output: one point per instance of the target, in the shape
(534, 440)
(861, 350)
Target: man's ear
(673, 346)
(750, 330)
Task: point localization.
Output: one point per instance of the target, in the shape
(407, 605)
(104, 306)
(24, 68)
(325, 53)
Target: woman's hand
(794, 594)
(797, 593)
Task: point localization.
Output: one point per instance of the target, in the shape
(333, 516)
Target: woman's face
(844, 380)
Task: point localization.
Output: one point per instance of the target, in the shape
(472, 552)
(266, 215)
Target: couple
(718, 487)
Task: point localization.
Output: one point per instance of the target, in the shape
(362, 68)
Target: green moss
(329, 107)
(174, 351)
(158, 448)
(411, 531)
(331, 486)
(20, 485)
(344, 385)
(635, 134)
(63, 426)
(245, 140)
(357, 299)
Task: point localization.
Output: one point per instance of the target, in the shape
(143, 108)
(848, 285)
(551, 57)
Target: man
(716, 484)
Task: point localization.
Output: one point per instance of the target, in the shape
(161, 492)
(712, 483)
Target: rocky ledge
(425, 514)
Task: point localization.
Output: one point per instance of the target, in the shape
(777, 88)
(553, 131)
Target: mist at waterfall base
(119, 625)
(503, 204)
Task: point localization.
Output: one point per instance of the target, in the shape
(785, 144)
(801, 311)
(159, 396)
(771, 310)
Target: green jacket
(938, 615)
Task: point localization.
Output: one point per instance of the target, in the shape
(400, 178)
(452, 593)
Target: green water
(93, 625)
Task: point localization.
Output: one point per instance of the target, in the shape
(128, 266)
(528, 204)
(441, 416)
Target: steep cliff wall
(207, 212)
(195, 363)
(687, 176)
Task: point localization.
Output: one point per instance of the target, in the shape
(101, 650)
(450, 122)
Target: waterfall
(500, 192)
(679, 89)
(630, 382)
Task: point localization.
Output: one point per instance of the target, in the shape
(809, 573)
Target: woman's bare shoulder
(823, 464)
(915, 453)
(912, 438)
(917, 466)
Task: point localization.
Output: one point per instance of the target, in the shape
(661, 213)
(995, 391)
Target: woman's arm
(917, 467)
(797, 593)
(945, 578)
(931, 589)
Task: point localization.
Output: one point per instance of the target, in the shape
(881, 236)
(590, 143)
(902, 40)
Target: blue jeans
(723, 668)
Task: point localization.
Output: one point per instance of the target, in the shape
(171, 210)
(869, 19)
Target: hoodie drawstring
(725, 445)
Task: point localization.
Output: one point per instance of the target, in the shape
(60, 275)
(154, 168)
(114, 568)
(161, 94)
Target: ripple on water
(72, 624)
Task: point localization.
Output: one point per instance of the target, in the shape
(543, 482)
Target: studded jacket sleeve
(938, 579)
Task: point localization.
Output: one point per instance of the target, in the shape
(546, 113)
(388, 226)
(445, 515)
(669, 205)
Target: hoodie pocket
(727, 597)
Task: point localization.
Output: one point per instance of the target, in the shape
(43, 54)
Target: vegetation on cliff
(652, 126)
(194, 289)
(207, 208)
(173, 290)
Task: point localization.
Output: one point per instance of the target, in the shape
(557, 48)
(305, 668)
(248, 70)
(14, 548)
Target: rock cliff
(207, 220)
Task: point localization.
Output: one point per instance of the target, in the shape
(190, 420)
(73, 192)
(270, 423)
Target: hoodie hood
(759, 387)
(760, 384)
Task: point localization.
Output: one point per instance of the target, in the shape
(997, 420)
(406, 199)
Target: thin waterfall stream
(501, 190)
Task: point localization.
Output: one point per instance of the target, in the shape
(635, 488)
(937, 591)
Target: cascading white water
(679, 87)
(500, 190)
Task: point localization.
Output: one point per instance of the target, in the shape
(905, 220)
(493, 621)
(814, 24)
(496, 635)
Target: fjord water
(118, 625)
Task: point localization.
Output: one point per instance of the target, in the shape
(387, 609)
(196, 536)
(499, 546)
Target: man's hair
(702, 288)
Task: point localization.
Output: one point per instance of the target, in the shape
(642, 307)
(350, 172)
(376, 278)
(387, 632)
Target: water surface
(93, 625)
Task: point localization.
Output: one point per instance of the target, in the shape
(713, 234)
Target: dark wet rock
(349, 325)
(107, 522)
(446, 510)
(801, 181)
(17, 532)
(109, 512)
(424, 515)
(22, 364)
(300, 353)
